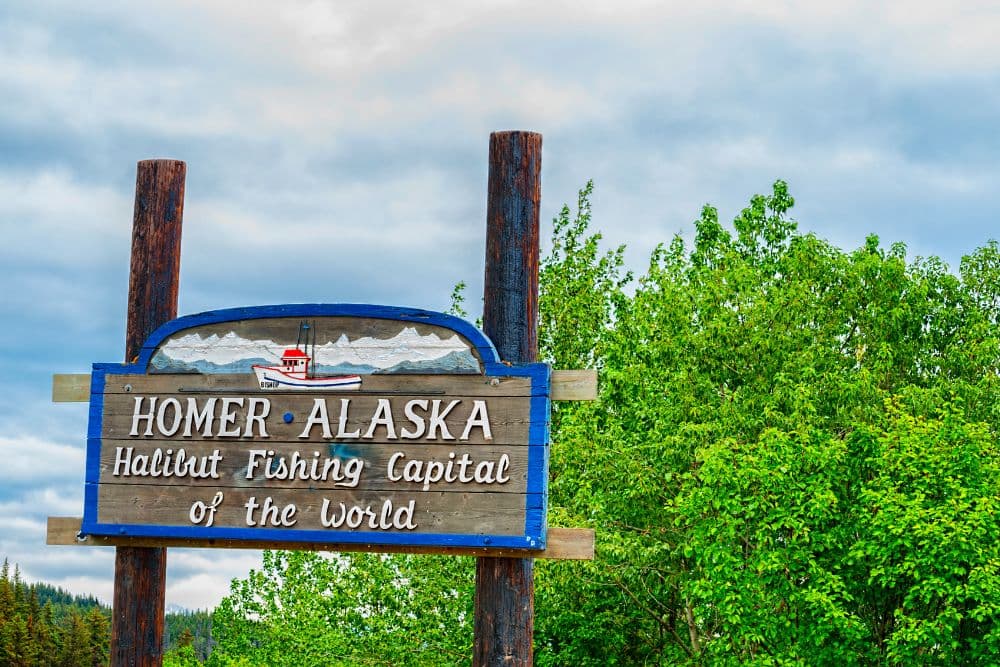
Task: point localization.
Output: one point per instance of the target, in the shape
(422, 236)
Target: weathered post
(505, 588)
(140, 572)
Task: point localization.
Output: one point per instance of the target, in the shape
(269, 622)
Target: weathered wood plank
(580, 385)
(70, 387)
(561, 543)
(573, 385)
(433, 512)
(364, 464)
(432, 385)
(508, 417)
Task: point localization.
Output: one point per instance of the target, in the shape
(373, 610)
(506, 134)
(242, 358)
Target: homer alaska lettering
(421, 418)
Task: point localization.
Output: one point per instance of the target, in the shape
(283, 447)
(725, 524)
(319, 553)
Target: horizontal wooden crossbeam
(562, 543)
(71, 387)
(576, 385)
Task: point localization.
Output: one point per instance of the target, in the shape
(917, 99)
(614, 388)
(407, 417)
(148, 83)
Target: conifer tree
(43, 634)
(76, 649)
(97, 624)
(6, 608)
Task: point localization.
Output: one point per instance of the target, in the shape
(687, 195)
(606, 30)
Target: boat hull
(269, 377)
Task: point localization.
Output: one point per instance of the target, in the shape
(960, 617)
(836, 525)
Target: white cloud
(52, 219)
(42, 501)
(86, 96)
(30, 527)
(30, 458)
(200, 578)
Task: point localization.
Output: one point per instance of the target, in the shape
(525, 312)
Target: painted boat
(295, 372)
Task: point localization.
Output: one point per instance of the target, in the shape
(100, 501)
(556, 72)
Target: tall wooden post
(505, 587)
(140, 572)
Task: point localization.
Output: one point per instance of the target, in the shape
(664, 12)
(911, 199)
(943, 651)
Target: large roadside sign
(320, 423)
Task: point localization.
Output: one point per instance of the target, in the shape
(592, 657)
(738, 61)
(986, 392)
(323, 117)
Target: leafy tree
(793, 461)
(728, 465)
(182, 656)
(580, 287)
(304, 608)
(929, 538)
(457, 307)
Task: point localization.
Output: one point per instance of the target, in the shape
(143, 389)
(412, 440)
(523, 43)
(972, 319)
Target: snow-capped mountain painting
(407, 352)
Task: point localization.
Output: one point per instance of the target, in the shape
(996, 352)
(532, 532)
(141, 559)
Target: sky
(359, 131)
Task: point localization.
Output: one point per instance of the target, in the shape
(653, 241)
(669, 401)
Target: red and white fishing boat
(297, 369)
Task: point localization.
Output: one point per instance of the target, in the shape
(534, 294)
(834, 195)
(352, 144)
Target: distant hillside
(60, 597)
(42, 624)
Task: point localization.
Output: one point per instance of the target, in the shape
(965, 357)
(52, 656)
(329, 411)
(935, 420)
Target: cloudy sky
(360, 129)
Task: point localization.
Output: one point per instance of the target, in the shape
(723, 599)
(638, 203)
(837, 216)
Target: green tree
(192, 628)
(45, 633)
(76, 641)
(44, 625)
(304, 608)
(6, 613)
(721, 465)
(18, 651)
(929, 528)
(99, 632)
(183, 656)
(793, 461)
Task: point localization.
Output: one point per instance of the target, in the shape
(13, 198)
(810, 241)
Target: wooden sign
(320, 423)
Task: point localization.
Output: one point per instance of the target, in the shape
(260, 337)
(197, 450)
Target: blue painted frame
(538, 436)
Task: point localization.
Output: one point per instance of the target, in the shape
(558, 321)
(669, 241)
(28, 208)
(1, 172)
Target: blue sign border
(538, 436)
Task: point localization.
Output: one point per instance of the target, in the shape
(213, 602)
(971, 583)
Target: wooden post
(140, 572)
(505, 587)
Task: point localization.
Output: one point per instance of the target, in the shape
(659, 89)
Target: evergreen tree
(63, 630)
(76, 641)
(18, 651)
(45, 634)
(185, 639)
(6, 611)
(100, 637)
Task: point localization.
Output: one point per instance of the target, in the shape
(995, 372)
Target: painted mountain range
(406, 352)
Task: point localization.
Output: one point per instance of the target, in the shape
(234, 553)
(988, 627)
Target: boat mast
(312, 355)
(298, 340)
